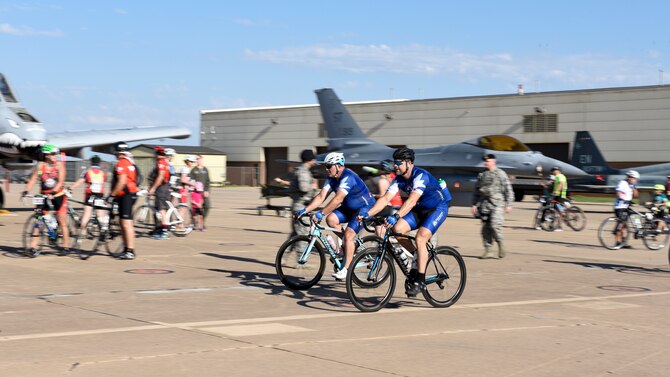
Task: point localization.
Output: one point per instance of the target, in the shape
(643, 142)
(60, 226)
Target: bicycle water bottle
(332, 244)
(51, 224)
(442, 183)
(104, 222)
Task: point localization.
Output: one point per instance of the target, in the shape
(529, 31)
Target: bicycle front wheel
(655, 234)
(608, 230)
(445, 277)
(548, 219)
(575, 218)
(113, 239)
(182, 220)
(297, 266)
(371, 280)
(86, 242)
(34, 228)
(144, 220)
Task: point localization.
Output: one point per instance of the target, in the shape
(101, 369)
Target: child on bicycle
(659, 206)
(197, 204)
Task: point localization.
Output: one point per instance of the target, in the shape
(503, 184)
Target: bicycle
(301, 260)
(45, 226)
(145, 216)
(101, 233)
(643, 226)
(371, 282)
(547, 216)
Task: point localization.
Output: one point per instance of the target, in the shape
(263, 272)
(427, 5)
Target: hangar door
(559, 151)
(274, 169)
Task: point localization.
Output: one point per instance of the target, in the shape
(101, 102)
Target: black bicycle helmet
(95, 160)
(121, 146)
(404, 154)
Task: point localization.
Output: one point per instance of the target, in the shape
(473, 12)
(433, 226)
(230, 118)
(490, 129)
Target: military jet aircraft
(22, 135)
(458, 164)
(603, 178)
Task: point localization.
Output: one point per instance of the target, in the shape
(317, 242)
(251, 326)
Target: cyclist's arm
(33, 178)
(77, 183)
(121, 180)
(409, 203)
(381, 203)
(318, 199)
(157, 182)
(334, 203)
(61, 177)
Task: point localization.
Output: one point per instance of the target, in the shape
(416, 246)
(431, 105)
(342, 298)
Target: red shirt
(95, 179)
(127, 168)
(162, 165)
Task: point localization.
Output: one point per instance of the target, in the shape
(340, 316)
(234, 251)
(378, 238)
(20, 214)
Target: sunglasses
(328, 166)
(398, 162)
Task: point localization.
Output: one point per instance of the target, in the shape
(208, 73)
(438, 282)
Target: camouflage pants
(492, 229)
(297, 229)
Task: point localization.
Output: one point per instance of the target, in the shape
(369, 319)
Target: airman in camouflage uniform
(493, 197)
(302, 189)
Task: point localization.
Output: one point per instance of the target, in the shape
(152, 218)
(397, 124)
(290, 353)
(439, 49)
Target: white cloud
(578, 69)
(6, 28)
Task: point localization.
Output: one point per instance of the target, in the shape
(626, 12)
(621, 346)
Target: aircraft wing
(100, 140)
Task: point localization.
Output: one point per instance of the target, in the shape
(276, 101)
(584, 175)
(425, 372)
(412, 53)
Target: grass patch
(593, 199)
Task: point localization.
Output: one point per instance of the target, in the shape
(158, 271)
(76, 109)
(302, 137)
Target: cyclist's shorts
(349, 217)
(197, 211)
(89, 198)
(430, 220)
(162, 196)
(126, 203)
(60, 204)
(621, 213)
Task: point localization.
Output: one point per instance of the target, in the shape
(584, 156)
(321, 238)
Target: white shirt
(624, 192)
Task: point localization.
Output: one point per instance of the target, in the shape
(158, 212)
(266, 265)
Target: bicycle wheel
(445, 277)
(575, 218)
(607, 233)
(34, 228)
(371, 280)
(549, 220)
(653, 238)
(297, 267)
(370, 241)
(86, 241)
(182, 220)
(112, 239)
(144, 220)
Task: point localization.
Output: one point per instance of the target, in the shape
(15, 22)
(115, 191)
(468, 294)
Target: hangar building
(631, 126)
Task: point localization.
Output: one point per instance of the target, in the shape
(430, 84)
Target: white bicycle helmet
(334, 158)
(633, 174)
(170, 152)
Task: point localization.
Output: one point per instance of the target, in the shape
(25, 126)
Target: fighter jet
(603, 178)
(22, 135)
(458, 164)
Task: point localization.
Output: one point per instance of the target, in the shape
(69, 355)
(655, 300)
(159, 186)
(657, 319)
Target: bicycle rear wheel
(144, 220)
(548, 219)
(575, 218)
(655, 239)
(86, 242)
(445, 277)
(113, 239)
(182, 220)
(371, 280)
(298, 268)
(607, 233)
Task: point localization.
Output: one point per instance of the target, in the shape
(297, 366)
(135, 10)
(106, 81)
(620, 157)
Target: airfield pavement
(558, 305)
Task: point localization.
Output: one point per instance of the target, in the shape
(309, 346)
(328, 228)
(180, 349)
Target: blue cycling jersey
(432, 195)
(357, 194)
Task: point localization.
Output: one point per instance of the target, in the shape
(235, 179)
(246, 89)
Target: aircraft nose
(571, 171)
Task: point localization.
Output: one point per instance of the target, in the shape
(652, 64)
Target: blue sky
(104, 64)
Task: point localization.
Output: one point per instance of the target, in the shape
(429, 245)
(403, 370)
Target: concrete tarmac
(210, 304)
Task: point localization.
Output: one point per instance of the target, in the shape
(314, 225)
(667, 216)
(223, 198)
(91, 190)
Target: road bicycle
(301, 260)
(654, 232)
(372, 280)
(549, 214)
(44, 225)
(145, 217)
(101, 234)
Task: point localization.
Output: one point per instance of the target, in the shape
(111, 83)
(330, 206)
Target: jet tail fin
(587, 156)
(341, 127)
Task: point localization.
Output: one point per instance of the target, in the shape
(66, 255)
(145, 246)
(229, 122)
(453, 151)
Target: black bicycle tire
(578, 211)
(147, 224)
(114, 245)
(447, 250)
(351, 281)
(279, 266)
(25, 236)
(601, 232)
(553, 223)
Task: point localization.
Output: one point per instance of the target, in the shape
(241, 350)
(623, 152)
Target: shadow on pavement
(655, 272)
(569, 244)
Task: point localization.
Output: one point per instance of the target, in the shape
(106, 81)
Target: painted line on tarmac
(192, 325)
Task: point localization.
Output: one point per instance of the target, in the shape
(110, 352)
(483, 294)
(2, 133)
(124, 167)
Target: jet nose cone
(571, 171)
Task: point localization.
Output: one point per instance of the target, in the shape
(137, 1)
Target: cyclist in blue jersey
(351, 196)
(425, 208)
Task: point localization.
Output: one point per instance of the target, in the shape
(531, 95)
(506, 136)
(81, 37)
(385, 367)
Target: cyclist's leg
(86, 216)
(429, 226)
(60, 208)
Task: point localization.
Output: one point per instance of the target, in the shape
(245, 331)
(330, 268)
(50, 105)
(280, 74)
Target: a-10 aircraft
(22, 135)
(458, 164)
(603, 178)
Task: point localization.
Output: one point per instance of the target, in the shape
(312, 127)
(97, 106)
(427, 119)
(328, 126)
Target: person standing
(626, 190)
(160, 186)
(124, 189)
(200, 174)
(95, 179)
(559, 193)
(492, 198)
(301, 185)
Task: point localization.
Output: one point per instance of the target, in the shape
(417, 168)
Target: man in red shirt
(124, 187)
(160, 185)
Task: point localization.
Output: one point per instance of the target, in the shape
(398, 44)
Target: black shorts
(621, 213)
(162, 196)
(126, 203)
(88, 200)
